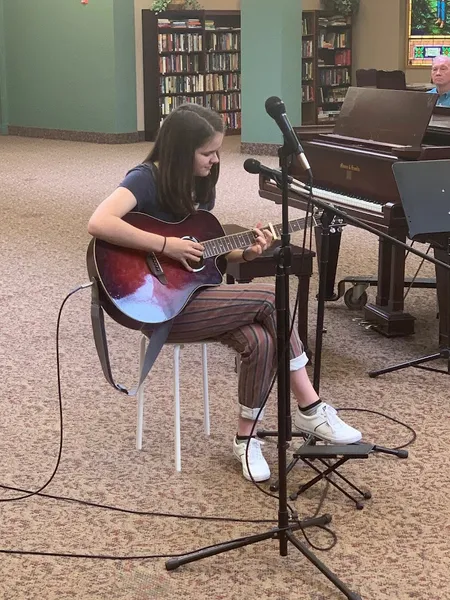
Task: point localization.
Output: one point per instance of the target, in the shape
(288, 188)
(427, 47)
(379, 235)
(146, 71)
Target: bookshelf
(326, 65)
(191, 56)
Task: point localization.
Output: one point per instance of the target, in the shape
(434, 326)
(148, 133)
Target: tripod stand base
(418, 364)
(284, 535)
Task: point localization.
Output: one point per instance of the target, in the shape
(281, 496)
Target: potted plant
(162, 5)
(342, 7)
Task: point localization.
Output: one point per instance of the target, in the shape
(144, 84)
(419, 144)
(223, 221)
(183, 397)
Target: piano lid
(394, 117)
(440, 118)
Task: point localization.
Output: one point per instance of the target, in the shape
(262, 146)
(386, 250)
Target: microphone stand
(285, 528)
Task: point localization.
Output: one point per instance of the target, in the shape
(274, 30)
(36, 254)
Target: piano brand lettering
(350, 168)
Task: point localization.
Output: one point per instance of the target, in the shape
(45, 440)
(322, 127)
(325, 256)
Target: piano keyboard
(340, 200)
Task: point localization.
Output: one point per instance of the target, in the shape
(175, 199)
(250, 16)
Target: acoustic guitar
(143, 288)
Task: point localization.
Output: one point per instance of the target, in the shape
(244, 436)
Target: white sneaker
(256, 462)
(326, 425)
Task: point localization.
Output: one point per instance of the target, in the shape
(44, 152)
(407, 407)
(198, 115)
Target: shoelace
(254, 450)
(331, 416)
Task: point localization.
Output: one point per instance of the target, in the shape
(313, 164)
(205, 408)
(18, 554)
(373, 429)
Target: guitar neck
(238, 241)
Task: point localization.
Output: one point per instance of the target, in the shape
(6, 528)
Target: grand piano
(352, 169)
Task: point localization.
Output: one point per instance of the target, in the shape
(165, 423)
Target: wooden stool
(265, 266)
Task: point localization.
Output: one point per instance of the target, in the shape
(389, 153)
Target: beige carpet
(396, 548)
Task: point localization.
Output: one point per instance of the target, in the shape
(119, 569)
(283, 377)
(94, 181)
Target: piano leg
(333, 255)
(443, 295)
(387, 313)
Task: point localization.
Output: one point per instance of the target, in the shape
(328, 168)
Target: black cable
(61, 429)
(110, 557)
(38, 492)
(142, 513)
(408, 289)
(393, 419)
(321, 548)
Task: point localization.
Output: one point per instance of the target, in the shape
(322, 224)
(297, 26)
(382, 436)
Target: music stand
(424, 188)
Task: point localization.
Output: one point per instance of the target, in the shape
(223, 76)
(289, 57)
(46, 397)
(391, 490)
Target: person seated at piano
(177, 178)
(440, 76)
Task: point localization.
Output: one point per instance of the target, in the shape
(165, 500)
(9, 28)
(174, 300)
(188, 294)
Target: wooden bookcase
(326, 65)
(191, 56)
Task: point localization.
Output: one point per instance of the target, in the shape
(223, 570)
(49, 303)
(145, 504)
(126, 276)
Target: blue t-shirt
(141, 182)
(443, 100)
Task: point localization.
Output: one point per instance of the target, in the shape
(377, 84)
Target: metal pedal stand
(341, 453)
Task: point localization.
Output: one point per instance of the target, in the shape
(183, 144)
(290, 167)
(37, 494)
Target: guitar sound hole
(195, 266)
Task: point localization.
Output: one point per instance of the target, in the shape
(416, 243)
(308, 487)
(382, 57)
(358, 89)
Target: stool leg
(176, 397)
(140, 397)
(206, 421)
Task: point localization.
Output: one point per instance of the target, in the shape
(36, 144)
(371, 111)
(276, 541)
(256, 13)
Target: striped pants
(242, 317)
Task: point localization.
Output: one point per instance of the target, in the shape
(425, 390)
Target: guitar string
(211, 246)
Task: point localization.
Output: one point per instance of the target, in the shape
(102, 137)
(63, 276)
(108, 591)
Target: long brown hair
(186, 129)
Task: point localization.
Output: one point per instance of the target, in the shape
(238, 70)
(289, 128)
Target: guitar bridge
(155, 268)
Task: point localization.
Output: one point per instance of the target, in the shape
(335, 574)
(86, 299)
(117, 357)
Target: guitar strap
(157, 340)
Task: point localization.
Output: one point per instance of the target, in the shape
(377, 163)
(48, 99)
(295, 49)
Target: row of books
(232, 120)
(193, 42)
(178, 84)
(307, 48)
(210, 24)
(332, 95)
(179, 23)
(223, 41)
(180, 42)
(333, 40)
(307, 26)
(307, 93)
(343, 57)
(223, 62)
(177, 63)
(223, 102)
(191, 63)
(307, 70)
(327, 115)
(168, 103)
(211, 82)
(222, 82)
(334, 76)
(334, 21)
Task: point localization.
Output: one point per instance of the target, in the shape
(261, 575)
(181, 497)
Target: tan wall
(379, 38)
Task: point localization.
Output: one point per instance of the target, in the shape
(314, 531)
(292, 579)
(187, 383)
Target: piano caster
(356, 298)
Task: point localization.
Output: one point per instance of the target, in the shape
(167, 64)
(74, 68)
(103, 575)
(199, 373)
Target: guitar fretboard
(237, 241)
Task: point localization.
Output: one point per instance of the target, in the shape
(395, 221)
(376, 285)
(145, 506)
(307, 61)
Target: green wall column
(271, 65)
(71, 66)
(3, 97)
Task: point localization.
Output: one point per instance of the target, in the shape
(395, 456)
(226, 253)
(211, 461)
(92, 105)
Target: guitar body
(131, 293)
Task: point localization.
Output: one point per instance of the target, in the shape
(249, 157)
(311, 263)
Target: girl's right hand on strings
(185, 251)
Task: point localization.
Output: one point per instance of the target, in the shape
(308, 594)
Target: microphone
(253, 166)
(276, 109)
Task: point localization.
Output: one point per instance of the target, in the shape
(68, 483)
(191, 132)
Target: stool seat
(266, 266)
